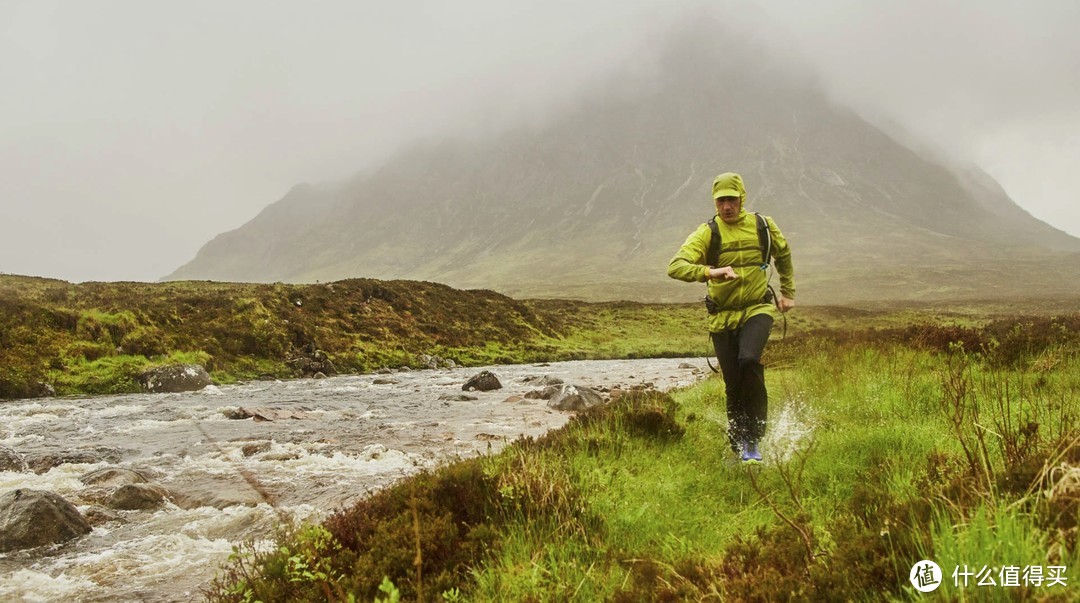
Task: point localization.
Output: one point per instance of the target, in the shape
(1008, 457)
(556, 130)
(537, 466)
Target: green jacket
(743, 297)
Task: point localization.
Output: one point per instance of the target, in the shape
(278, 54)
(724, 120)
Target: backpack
(712, 256)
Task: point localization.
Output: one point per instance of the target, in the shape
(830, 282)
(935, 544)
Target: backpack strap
(764, 236)
(712, 255)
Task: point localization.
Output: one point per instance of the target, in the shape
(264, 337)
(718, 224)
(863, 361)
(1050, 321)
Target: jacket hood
(729, 184)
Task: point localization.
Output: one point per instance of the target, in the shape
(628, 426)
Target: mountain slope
(594, 203)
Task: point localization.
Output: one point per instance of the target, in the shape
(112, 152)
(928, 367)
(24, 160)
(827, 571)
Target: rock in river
(174, 378)
(483, 381)
(574, 397)
(11, 460)
(32, 518)
(137, 496)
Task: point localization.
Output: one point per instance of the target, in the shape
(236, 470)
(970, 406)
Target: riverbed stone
(543, 394)
(10, 460)
(265, 413)
(133, 497)
(575, 398)
(284, 455)
(457, 398)
(113, 476)
(255, 448)
(43, 462)
(33, 518)
(311, 361)
(219, 492)
(483, 381)
(174, 378)
(97, 515)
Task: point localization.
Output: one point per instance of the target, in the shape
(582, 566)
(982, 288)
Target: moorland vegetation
(898, 433)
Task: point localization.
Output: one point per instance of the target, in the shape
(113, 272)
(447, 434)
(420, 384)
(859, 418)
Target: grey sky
(133, 132)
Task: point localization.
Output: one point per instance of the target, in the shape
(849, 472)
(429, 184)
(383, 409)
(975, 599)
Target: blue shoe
(750, 453)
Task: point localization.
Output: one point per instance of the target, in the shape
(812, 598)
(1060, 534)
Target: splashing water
(788, 431)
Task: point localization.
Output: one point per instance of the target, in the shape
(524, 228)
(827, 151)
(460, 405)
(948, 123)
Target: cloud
(131, 132)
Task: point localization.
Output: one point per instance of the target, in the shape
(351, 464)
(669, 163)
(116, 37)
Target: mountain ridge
(594, 202)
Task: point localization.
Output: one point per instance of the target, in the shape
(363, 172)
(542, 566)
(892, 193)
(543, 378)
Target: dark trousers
(739, 354)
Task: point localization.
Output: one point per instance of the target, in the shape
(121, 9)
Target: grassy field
(898, 432)
(96, 338)
(896, 435)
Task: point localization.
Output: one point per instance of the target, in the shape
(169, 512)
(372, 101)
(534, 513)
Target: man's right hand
(723, 273)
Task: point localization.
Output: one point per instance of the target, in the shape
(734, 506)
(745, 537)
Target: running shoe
(750, 453)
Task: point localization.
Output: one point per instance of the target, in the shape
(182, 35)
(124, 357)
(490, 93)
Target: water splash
(789, 430)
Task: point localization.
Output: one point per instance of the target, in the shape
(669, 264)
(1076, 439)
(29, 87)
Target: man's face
(728, 208)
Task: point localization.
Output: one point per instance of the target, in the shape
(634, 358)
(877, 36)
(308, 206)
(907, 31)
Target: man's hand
(724, 273)
(786, 303)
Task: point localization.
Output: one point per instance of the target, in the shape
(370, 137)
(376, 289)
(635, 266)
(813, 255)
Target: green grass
(897, 433)
(865, 474)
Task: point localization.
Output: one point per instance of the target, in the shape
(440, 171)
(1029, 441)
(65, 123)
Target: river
(330, 442)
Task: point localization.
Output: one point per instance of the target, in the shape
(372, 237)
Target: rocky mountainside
(594, 203)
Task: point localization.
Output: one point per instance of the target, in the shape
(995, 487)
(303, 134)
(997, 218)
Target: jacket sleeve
(781, 252)
(689, 263)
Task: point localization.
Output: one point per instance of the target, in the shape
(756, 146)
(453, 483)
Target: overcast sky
(132, 132)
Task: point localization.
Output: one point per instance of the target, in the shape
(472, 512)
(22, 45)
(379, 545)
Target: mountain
(594, 202)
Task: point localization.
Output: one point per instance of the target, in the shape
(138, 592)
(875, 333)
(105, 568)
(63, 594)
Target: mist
(131, 133)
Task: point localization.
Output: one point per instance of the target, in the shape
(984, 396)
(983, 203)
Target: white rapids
(348, 436)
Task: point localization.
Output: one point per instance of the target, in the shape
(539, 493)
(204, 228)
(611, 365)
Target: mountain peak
(595, 201)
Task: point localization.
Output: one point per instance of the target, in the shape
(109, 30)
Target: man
(740, 304)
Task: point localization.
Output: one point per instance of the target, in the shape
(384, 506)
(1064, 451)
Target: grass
(96, 338)
(866, 474)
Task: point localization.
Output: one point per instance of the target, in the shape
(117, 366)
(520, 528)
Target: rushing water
(346, 437)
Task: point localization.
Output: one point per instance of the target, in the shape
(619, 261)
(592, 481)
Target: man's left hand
(786, 303)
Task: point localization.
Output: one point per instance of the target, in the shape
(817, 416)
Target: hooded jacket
(743, 297)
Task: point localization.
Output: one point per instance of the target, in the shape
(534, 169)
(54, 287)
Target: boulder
(43, 462)
(457, 397)
(133, 497)
(218, 491)
(574, 397)
(113, 476)
(255, 448)
(435, 362)
(384, 381)
(32, 518)
(428, 362)
(311, 361)
(12, 461)
(543, 394)
(236, 413)
(174, 378)
(98, 515)
(285, 455)
(264, 413)
(44, 390)
(483, 381)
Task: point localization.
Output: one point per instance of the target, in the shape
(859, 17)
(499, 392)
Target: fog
(131, 133)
